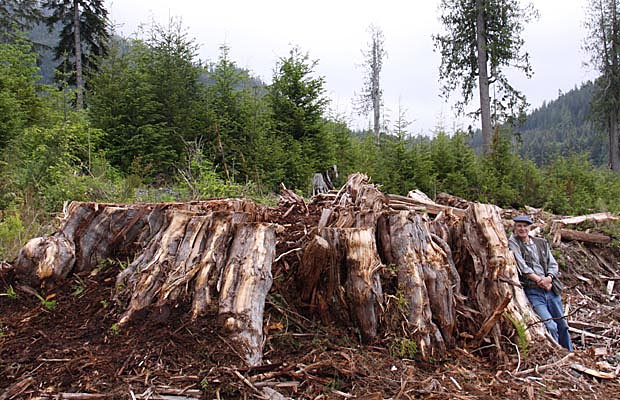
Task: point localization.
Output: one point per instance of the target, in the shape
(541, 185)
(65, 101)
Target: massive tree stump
(207, 253)
(96, 232)
(358, 259)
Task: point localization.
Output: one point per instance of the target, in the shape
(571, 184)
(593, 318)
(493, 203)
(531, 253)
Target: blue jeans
(549, 308)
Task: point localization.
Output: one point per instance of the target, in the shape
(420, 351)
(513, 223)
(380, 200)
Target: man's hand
(546, 283)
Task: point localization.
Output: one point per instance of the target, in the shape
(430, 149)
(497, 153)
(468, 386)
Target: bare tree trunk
(614, 128)
(483, 77)
(377, 61)
(614, 143)
(77, 42)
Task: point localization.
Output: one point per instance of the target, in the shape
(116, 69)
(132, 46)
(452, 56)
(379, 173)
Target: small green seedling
(48, 302)
(10, 293)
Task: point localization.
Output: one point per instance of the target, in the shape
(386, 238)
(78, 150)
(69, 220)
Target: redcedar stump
(375, 263)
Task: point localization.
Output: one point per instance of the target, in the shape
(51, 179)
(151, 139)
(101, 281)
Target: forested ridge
(563, 127)
(159, 124)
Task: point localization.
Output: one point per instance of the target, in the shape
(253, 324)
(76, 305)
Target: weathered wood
(423, 203)
(246, 280)
(594, 237)
(348, 263)
(211, 263)
(490, 322)
(487, 268)
(94, 232)
(423, 283)
(364, 205)
(320, 281)
(44, 260)
(363, 285)
(291, 199)
(17, 388)
(447, 199)
(144, 277)
(598, 217)
(339, 278)
(540, 368)
(593, 372)
(559, 225)
(184, 260)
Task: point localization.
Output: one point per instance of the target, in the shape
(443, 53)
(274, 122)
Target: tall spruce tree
(230, 143)
(84, 36)
(482, 38)
(298, 102)
(603, 44)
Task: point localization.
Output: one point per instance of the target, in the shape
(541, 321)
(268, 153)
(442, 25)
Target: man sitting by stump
(537, 271)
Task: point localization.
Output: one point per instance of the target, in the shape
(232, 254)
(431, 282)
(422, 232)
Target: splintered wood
(390, 268)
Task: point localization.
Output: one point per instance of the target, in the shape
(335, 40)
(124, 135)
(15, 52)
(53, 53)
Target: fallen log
(558, 226)
(594, 237)
(422, 204)
(598, 217)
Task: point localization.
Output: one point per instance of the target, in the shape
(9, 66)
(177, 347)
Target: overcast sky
(334, 32)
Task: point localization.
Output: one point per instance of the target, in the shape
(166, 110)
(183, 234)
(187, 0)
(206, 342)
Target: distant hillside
(45, 43)
(563, 127)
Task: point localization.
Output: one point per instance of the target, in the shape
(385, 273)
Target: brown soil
(69, 347)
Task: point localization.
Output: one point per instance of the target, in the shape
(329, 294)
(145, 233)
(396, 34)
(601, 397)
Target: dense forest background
(158, 124)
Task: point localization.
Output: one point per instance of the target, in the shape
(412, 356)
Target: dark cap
(523, 218)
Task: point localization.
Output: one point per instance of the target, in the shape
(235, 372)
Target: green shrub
(11, 234)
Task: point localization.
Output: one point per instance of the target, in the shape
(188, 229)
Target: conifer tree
(298, 102)
(18, 16)
(603, 44)
(84, 37)
(482, 39)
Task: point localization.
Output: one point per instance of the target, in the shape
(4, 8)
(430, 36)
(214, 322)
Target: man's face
(521, 230)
